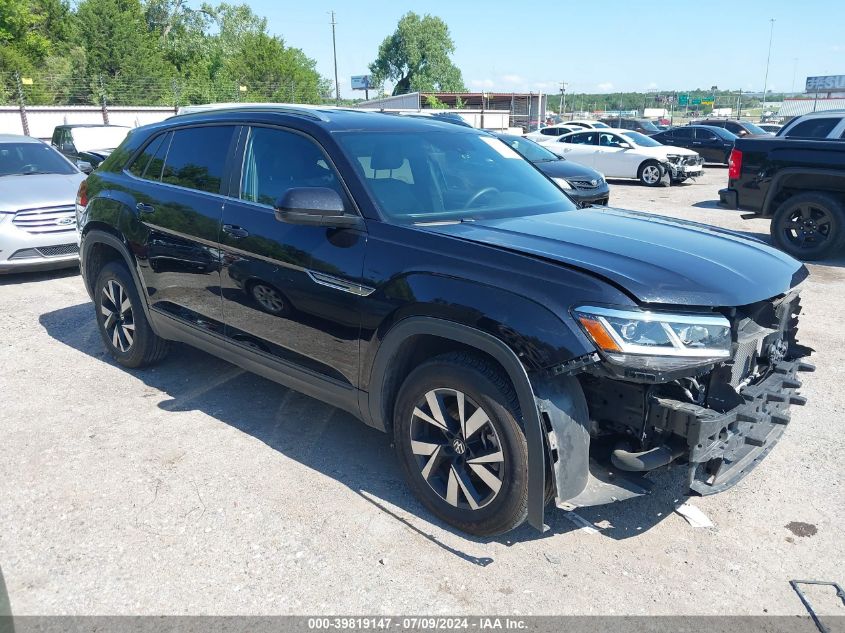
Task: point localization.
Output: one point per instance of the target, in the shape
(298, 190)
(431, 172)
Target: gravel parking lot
(196, 487)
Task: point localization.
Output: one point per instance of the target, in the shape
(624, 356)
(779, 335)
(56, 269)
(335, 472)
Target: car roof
(328, 117)
(821, 114)
(18, 138)
(90, 125)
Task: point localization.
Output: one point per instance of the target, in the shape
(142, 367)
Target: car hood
(38, 190)
(567, 169)
(655, 259)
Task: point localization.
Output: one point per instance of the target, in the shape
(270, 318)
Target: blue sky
(595, 47)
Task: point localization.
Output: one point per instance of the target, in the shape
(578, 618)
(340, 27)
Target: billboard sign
(683, 100)
(696, 101)
(832, 83)
(361, 82)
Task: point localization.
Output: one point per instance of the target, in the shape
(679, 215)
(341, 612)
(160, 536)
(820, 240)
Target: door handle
(143, 207)
(235, 231)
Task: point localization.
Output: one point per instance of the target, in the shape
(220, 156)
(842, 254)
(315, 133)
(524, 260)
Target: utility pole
(561, 109)
(794, 71)
(768, 57)
(22, 104)
(334, 51)
(103, 104)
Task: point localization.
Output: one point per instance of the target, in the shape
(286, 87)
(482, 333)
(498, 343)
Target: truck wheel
(809, 226)
(462, 449)
(121, 319)
(650, 173)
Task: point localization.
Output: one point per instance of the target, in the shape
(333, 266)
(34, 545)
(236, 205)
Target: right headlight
(660, 341)
(563, 183)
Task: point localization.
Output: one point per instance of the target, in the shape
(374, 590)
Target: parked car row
(620, 153)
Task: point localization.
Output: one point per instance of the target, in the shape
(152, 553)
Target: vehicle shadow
(6, 622)
(358, 456)
(13, 279)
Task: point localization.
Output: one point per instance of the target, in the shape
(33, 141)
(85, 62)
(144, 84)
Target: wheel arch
(793, 181)
(100, 245)
(435, 336)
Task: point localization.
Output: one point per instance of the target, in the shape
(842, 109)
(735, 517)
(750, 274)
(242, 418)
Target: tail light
(734, 164)
(82, 195)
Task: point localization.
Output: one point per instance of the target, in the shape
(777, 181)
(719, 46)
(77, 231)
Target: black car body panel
(343, 312)
(657, 260)
(772, 166)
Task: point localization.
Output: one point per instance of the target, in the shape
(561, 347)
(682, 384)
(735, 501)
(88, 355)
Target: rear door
(291, 291)
(580, 147)
(177, 184)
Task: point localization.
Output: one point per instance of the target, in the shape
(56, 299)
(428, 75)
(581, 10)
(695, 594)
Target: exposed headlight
(673, 158)
(660, 341)
(562, 183)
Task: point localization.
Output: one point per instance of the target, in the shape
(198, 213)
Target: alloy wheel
(457, 448)
(651, 174)
(807, 226)
(268, 298)
(119, 322)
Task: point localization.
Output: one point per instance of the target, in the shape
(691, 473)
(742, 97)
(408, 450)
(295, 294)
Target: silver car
(38, 189)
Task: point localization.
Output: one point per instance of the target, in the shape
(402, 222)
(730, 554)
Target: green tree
(122, 53)
(416, 57)
(271, 71)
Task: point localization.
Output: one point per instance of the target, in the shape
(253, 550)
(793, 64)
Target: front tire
(121, 319)
(809, 226)
(650, 173)
(463, 451)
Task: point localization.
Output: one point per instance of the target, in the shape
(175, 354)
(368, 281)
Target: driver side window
(609, 140)
(278, 160)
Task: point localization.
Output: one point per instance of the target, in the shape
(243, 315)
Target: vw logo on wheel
(459, 446)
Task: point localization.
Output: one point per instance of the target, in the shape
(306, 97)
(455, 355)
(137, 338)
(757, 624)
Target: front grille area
(693, 160)
(60, 250)
(47, 220)
(585, 184)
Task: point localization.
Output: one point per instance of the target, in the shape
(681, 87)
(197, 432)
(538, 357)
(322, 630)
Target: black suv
(643, 126)
(428, 279)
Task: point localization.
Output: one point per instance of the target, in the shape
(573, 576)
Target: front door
(710, 146)
(291, 291)
(176, 194)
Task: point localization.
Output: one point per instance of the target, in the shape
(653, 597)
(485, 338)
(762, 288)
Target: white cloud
(544, 85)
(651, 85)
(512, 79)
(482, 83)
(605, 86)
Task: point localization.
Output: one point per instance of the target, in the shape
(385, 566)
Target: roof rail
(305, 110)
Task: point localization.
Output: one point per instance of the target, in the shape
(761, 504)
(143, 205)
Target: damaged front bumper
(683, 167)
(721, 448)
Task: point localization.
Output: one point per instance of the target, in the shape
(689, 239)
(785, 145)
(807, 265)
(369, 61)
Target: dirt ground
(198, 488)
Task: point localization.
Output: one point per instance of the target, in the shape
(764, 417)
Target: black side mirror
(315, 206)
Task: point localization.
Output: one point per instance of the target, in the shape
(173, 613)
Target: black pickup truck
(424, 277)
(800, 184)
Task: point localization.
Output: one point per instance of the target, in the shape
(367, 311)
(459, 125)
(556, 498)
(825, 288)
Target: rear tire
(462, 449)
(121, 319)
(809, 226)
(650, 173)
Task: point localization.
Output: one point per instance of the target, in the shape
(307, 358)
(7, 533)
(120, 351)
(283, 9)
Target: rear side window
(583, 138)
(139, 165)
(813, 128)
(551, 131)
(704, 135)
(683, 133)
(197, 156)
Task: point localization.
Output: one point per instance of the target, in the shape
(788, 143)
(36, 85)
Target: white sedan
(551, 132)
(627, 154)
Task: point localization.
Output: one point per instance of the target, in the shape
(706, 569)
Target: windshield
(722, 132)
(447, 176)
(529, 149)
(32, 158)
(86, 139)
(641, 139)
(753, 129)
